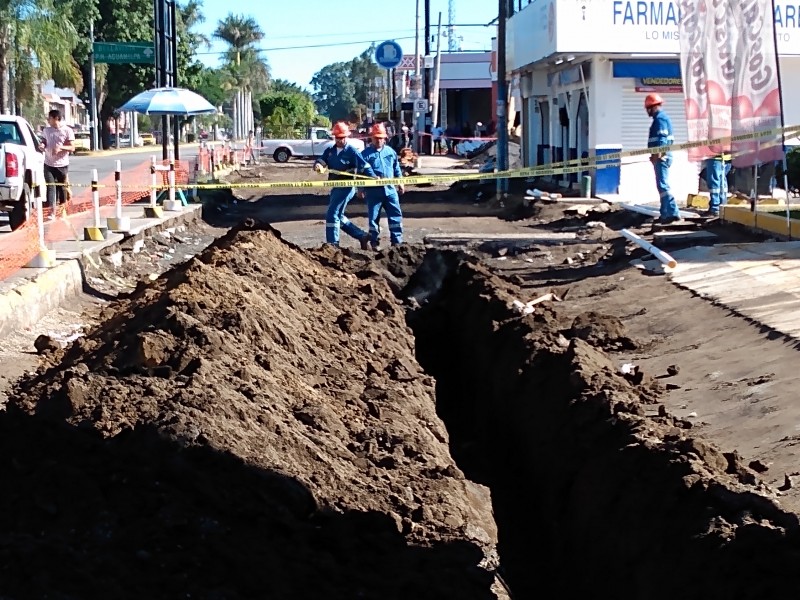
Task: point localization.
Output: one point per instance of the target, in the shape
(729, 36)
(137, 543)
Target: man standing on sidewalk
(59, 141)
(717, 169)
(661, 135)
(385, 164)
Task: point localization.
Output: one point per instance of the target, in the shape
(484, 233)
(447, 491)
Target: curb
(25, 299)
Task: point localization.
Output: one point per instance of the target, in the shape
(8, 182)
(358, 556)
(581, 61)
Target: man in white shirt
(59, 141)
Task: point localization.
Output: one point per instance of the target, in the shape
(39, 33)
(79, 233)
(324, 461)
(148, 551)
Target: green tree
(37, 38)
(364, 72)
(244, 66)
(334, 91)
(291, 110)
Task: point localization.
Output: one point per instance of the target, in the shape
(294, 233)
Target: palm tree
(36, 39)
(246, 71)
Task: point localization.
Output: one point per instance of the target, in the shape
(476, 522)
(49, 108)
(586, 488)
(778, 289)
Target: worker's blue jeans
(669, 208)
(717, 181)
(335, 219)
(378, 199)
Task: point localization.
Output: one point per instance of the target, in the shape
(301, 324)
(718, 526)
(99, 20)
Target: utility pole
(427, 77)
(436, 118)
(502, 100)
(417, 93)
(93, 120)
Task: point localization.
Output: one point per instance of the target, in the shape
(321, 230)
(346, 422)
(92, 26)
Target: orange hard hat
(653, 100)
(340, 129)
(379, 131)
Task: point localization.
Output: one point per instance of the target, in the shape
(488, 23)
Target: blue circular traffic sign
(389, 54)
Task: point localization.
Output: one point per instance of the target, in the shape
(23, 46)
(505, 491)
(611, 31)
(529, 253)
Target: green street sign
(120, 53)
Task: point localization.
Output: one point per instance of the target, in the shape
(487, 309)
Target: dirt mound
(253, 424)
(603, 331)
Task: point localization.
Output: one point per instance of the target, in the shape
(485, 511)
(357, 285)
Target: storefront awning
(641, 69)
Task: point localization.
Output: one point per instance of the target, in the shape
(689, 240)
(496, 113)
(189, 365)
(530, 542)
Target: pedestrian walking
(717, 169)
(661, 135)
(59, 141)
(343, 158)
(386, 165)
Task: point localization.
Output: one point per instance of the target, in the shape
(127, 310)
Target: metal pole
(93, 137)
(417, 92)
(437, 75)
(161, 69)
(426, 79)
(174, 82)
(783, 124)
(502, 100)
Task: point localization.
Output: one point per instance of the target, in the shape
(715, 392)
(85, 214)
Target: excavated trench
(592, 499)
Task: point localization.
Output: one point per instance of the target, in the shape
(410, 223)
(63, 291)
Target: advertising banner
(730, 75)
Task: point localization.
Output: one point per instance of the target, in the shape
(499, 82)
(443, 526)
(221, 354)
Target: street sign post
(388, 54)
(120, 53)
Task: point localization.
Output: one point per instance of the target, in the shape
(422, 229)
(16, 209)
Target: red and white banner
(730, 77)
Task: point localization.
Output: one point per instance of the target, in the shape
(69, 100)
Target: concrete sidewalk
(443, 165)
(760, 281)
(29, 294)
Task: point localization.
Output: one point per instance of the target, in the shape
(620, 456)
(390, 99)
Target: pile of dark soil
(252, 425)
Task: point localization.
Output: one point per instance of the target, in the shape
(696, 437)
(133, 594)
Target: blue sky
(334, 24)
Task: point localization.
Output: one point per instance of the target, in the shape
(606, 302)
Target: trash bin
(586, 186)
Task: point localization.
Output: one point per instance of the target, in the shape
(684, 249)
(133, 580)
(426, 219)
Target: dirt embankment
(253, 424)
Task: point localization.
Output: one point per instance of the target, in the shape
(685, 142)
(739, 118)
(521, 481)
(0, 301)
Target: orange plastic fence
(19, 247)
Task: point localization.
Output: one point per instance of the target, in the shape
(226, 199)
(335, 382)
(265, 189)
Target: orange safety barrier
(17, 248)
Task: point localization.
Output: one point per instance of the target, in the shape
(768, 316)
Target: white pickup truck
(21, 169)
(317, 140)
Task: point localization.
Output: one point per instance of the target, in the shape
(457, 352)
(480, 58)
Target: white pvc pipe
(652, 212)
(95, 199)
(659, 254)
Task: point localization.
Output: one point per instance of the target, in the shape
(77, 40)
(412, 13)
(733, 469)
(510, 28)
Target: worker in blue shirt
(717, 169)
(386, 165)
(661, 135)
(343, 158)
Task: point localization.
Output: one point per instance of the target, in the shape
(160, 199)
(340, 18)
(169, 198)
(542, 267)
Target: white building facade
(585, 67)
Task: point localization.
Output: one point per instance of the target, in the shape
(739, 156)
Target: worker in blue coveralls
(386, 165)
(661, 135)
(343, 158)
(717, 169)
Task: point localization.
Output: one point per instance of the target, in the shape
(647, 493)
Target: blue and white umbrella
(168, 101)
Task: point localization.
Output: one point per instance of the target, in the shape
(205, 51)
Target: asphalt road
(80, 167)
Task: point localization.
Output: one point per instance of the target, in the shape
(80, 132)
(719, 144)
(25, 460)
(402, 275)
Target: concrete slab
(760, 281)
(29, 294)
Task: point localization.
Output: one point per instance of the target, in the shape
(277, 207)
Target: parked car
(83, 140)
(148, 139)
(315, 143)
(21, 169)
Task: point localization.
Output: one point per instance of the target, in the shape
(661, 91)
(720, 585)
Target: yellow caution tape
(577, 165)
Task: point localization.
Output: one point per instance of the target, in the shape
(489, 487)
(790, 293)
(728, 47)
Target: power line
(310, 46)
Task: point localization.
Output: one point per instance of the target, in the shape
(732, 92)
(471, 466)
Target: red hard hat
(653, 100)
(379, 131)
(340, 129)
